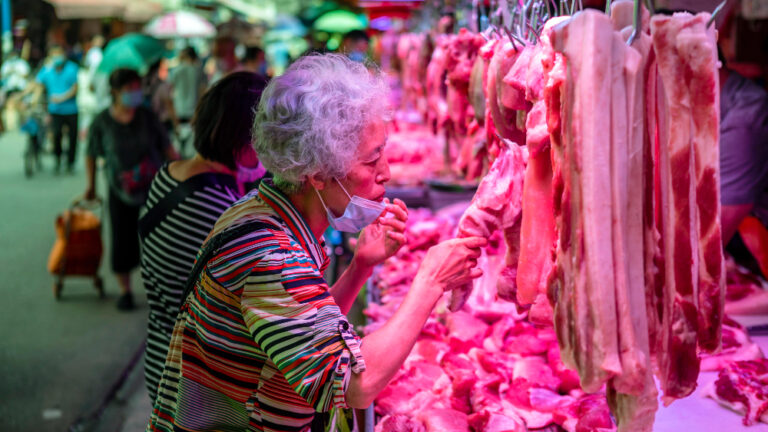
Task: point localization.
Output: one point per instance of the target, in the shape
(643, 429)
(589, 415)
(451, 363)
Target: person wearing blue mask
(262, 341)
(59, 80)
(134, 146)
(355, 45)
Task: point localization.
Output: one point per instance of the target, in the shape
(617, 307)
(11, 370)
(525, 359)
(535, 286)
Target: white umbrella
(180, 24)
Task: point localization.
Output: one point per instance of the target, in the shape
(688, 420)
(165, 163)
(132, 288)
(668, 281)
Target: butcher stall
(584, 145)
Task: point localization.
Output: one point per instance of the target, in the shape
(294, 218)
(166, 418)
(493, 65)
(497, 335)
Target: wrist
(358, 267)
(426, 288)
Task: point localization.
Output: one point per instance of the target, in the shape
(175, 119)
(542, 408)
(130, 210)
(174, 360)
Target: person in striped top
(185, 200)
(262, 342)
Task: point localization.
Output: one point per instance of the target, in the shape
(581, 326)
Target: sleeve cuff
(350, 360)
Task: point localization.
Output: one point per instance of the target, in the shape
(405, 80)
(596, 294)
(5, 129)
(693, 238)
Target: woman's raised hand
(384, 237)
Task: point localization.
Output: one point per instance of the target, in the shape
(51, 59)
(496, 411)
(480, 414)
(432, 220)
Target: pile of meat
(414, 155)
(483, 368)
(486, 367)
(609, 214)
(741, 386)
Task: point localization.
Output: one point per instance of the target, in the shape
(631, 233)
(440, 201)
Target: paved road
(58, 359)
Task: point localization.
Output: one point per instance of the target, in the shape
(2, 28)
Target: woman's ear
(317, 181)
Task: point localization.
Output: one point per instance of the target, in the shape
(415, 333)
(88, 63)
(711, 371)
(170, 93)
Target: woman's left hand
(384, 237)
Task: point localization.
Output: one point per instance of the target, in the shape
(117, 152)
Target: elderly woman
(262, 343)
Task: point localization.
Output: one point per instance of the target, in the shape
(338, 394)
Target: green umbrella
(133, 51)
(340, 21)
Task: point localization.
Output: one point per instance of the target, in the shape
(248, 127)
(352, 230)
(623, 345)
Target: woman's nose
(384, 174)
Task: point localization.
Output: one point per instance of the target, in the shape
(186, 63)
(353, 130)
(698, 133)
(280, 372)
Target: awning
(130, 10)
(74, 9)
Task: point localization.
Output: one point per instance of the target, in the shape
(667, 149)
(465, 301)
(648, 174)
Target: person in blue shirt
(59, 80)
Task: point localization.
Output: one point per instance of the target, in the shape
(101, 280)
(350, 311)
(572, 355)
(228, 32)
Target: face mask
(58, 61)
(132, 99)
(357, 56)
(360, 213)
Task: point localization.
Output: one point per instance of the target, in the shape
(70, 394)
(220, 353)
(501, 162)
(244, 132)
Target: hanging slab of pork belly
(538, 235)
(678, 362)
(553, 75)
(561, 284)
(700, 51)
(653, 243)
(632, 395)
(586, 106)
(435, 86)
(627, 221)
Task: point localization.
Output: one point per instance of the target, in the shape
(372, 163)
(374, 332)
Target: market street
(59, 359)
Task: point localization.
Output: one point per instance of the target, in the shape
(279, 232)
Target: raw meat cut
(741, 386)
(487, 421)
(684, 48)
(496, 205)
(700, 49)
(677, 359)
(632, 395)
(462, 50)
(538, 234)
(436, 89)
(586, 320)
(413, 156)
(503, 120)
(444, 420)
(398, 423)
(736, 345)
(512, 93)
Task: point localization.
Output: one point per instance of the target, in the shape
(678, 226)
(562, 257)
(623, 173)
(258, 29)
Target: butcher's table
(697, 413)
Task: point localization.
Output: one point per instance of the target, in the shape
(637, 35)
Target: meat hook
(535, 32)
(715, 12)
(511, 37)
(651, 7)
(636, 26)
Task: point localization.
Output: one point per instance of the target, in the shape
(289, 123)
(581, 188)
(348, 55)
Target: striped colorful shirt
(260, 344)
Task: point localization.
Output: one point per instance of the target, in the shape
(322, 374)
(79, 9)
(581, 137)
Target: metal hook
(511, 37)
(651, 7)
(535, 32)
(636, 26)
(715, 12)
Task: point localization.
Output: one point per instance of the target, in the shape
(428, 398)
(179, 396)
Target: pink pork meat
(496, 205)
(585, 298)
(687, 115)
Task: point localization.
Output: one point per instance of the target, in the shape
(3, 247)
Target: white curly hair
(310, 119)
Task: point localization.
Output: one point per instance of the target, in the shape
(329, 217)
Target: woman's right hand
(450, 264)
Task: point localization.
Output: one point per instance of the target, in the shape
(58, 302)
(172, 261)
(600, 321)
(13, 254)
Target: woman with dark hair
(186, 199)
(134, 146)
